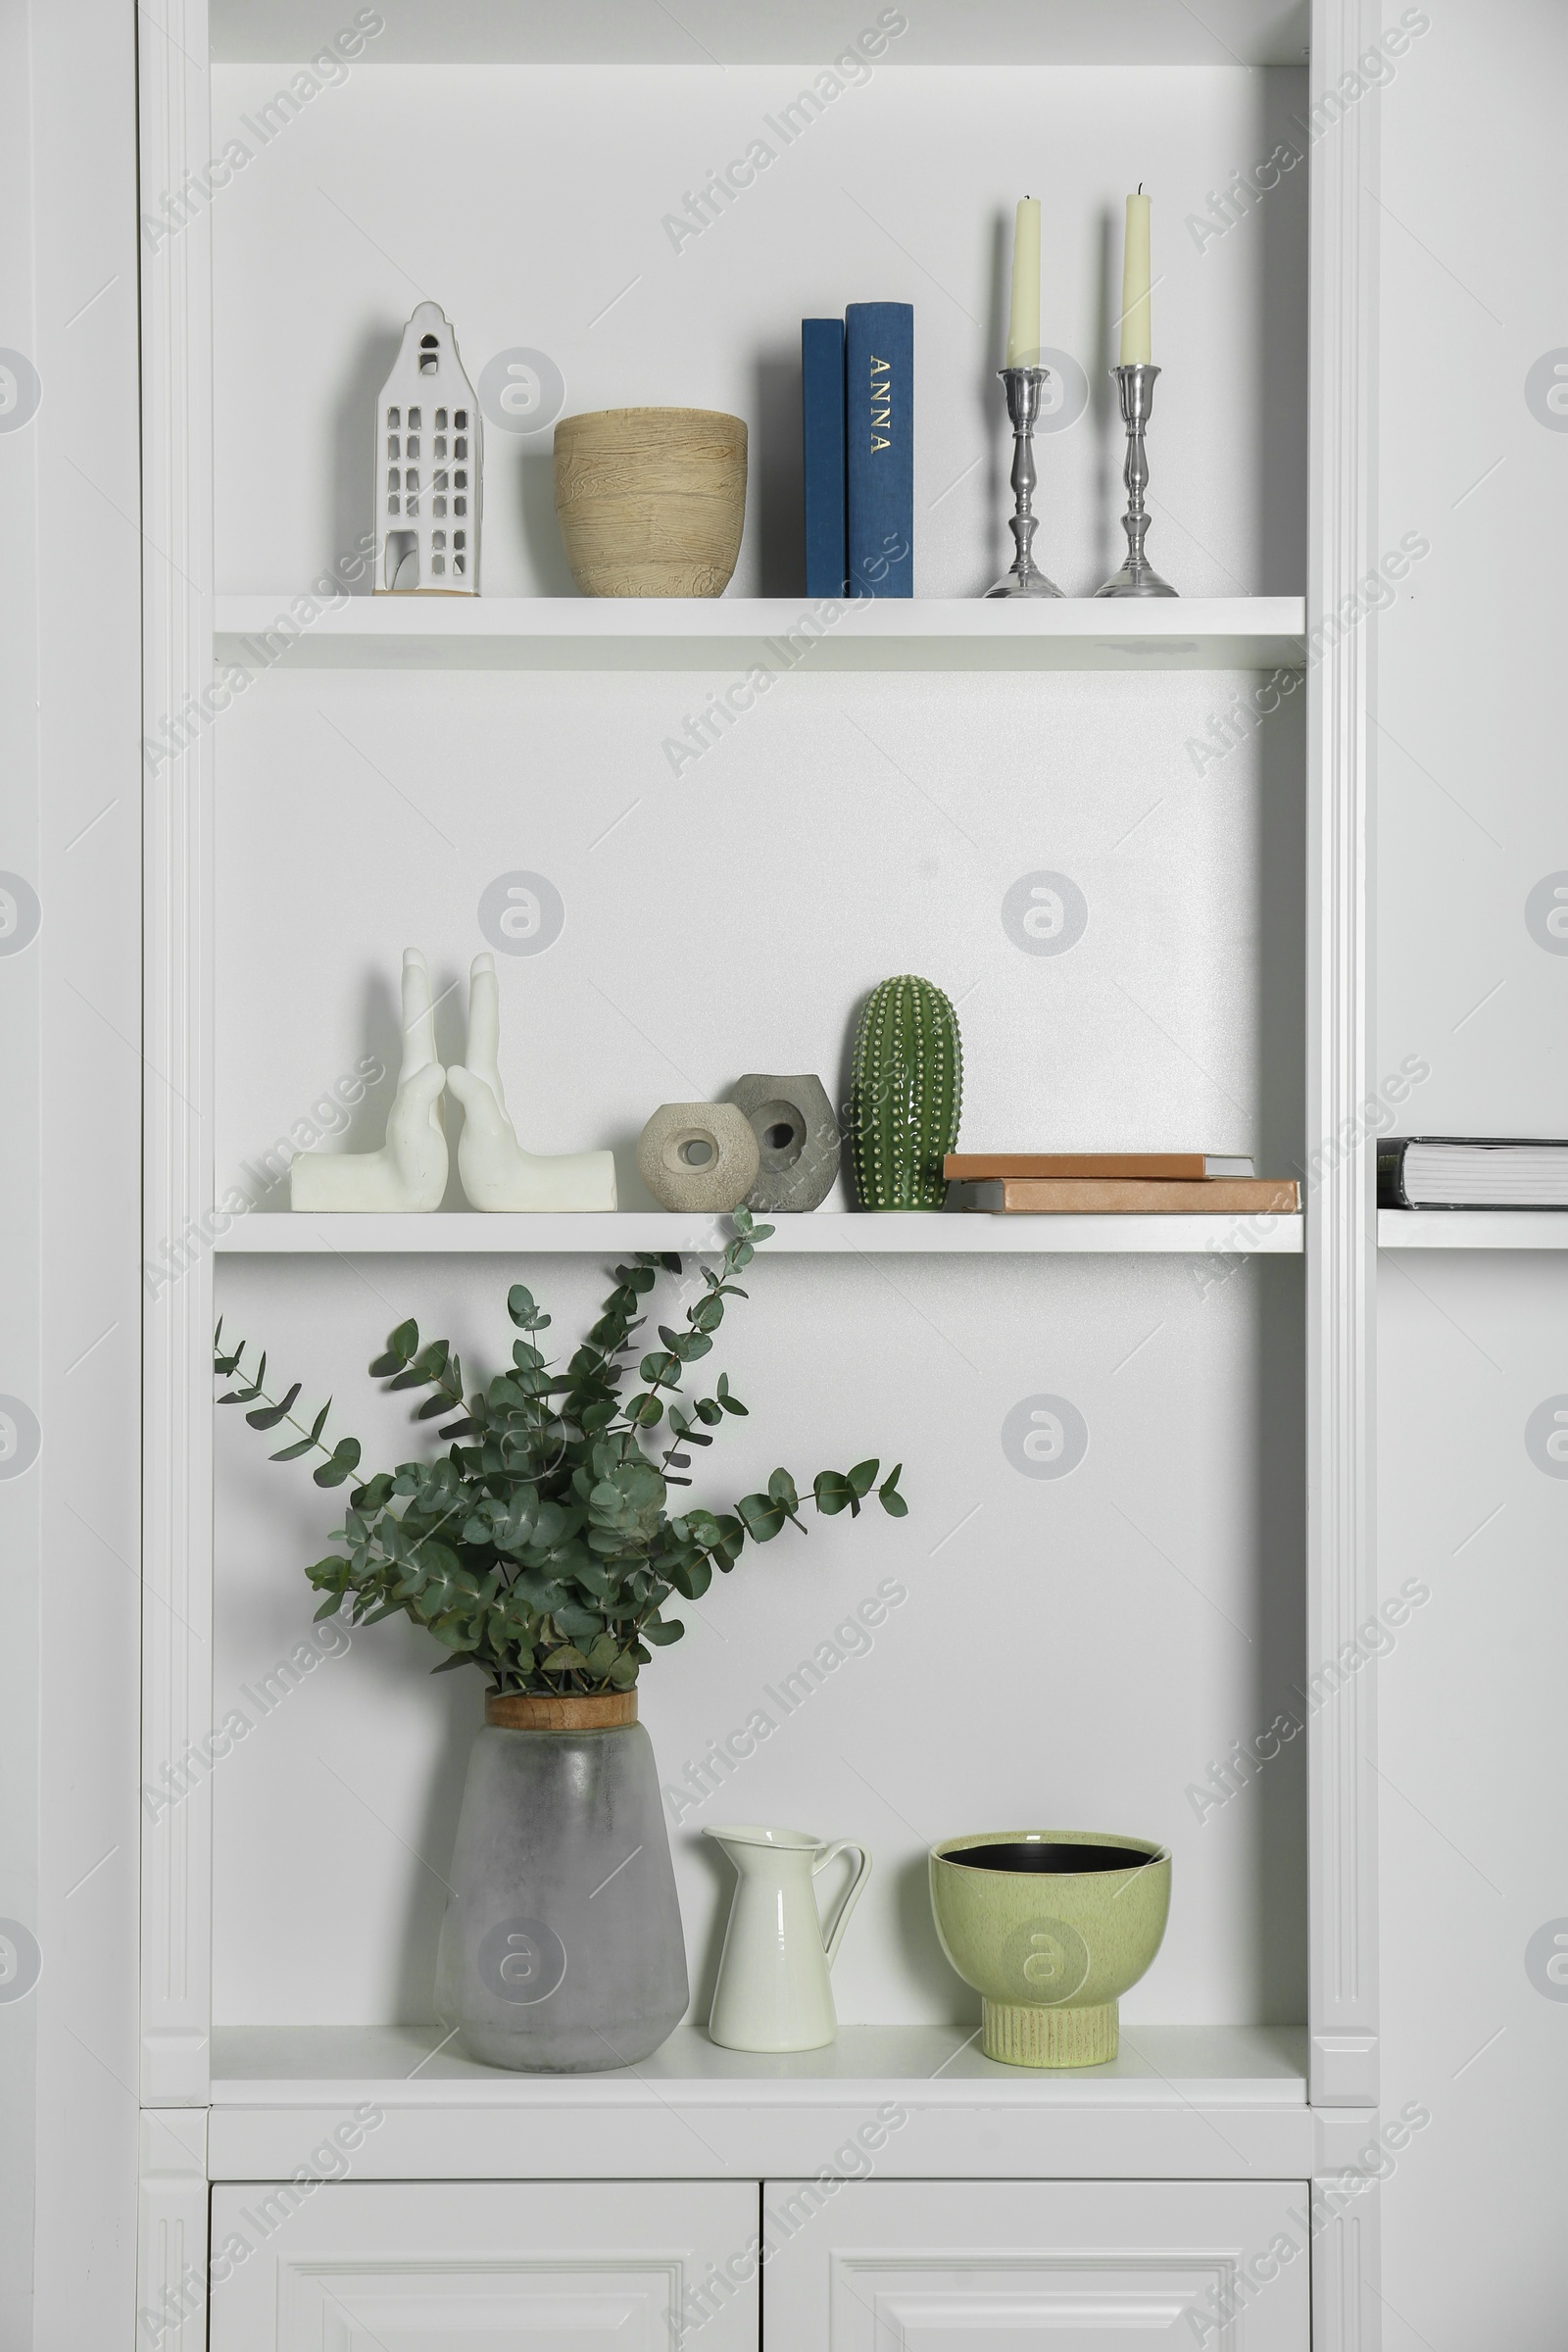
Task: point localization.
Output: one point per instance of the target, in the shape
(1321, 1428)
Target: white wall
(1474, 1746)
(70, 1079)
(530, 201)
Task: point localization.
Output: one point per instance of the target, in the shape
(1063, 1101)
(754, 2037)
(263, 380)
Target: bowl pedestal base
(1020, 2034)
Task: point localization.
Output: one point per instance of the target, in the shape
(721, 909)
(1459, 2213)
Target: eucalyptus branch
(539, 1546)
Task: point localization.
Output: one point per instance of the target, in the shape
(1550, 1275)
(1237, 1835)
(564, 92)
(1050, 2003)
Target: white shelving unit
(928, 633)
(1472, 1229)
(708, 2112)
(388, 759)
(824, 1234)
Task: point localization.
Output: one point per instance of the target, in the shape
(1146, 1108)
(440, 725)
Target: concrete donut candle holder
(697, 1155)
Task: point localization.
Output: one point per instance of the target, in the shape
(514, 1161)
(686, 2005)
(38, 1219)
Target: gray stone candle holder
(797, 1139)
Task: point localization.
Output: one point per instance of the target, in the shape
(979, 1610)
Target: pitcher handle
(833, 1936)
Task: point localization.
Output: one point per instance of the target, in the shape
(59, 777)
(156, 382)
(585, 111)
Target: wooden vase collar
(538, 1711)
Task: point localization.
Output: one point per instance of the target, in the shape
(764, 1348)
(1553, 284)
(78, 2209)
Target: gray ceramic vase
(561, 1950)
(697, 1155)
(797, 1139)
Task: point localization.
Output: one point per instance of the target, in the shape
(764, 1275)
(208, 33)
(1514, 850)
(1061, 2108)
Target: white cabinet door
(1114, 2266)
(516, 2266)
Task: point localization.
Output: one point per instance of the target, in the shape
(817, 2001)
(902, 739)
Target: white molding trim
(69, 1187)
(171, 2206)
(177, 491)
(1342, 1257)
(1347, 2309)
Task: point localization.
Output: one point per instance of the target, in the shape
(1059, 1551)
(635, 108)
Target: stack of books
(858, 416)
(1460, 1171)
(1114, 1184)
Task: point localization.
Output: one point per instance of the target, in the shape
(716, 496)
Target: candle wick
(1140, 187)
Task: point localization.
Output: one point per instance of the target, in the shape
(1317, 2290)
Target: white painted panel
(1472, 977)
(70, 1079)
(1475, 1507)
(352, 2267)
(1472, 973)
(1086, 2266)
(326, 234)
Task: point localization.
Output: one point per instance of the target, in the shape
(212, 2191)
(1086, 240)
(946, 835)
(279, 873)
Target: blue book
(823, 429)
(879, 430)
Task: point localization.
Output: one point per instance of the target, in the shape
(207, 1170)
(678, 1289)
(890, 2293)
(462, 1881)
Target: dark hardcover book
(1470, 1171)
(879, 414)
(822, 435)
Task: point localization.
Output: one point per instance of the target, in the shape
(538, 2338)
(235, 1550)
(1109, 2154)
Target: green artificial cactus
(905, 1089)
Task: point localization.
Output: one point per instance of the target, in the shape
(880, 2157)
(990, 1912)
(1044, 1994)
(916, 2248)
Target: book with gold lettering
(879, 434)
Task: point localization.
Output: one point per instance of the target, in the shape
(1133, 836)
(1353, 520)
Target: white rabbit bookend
(410, 1171)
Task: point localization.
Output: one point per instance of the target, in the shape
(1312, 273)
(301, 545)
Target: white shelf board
(821, 1233)
(1473, 1229)
(927, 633)
(279, 2066)
(1194, 2100)
(940, 32)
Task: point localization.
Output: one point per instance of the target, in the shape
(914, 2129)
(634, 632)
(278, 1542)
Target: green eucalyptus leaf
(781, 1487)
(401, 1347)
(833, 1492)
(344, 1462)
(268, 1416)
(761, 1516)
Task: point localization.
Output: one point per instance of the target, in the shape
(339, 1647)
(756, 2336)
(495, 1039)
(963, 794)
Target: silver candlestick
(1137, 576)
(1025, 578)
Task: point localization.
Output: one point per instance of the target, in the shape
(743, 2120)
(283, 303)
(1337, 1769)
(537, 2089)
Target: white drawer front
(929, 2266)
(394, 2267)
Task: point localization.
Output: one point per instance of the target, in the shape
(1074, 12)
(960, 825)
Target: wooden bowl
(651, 501)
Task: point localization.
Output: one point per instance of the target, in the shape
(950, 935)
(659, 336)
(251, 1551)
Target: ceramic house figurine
(496, 1172)
(429, 461)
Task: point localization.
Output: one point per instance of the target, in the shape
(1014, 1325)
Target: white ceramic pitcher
(774, 1990)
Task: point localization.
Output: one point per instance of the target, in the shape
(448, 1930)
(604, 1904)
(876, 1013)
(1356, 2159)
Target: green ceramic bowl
(1051, 1927)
